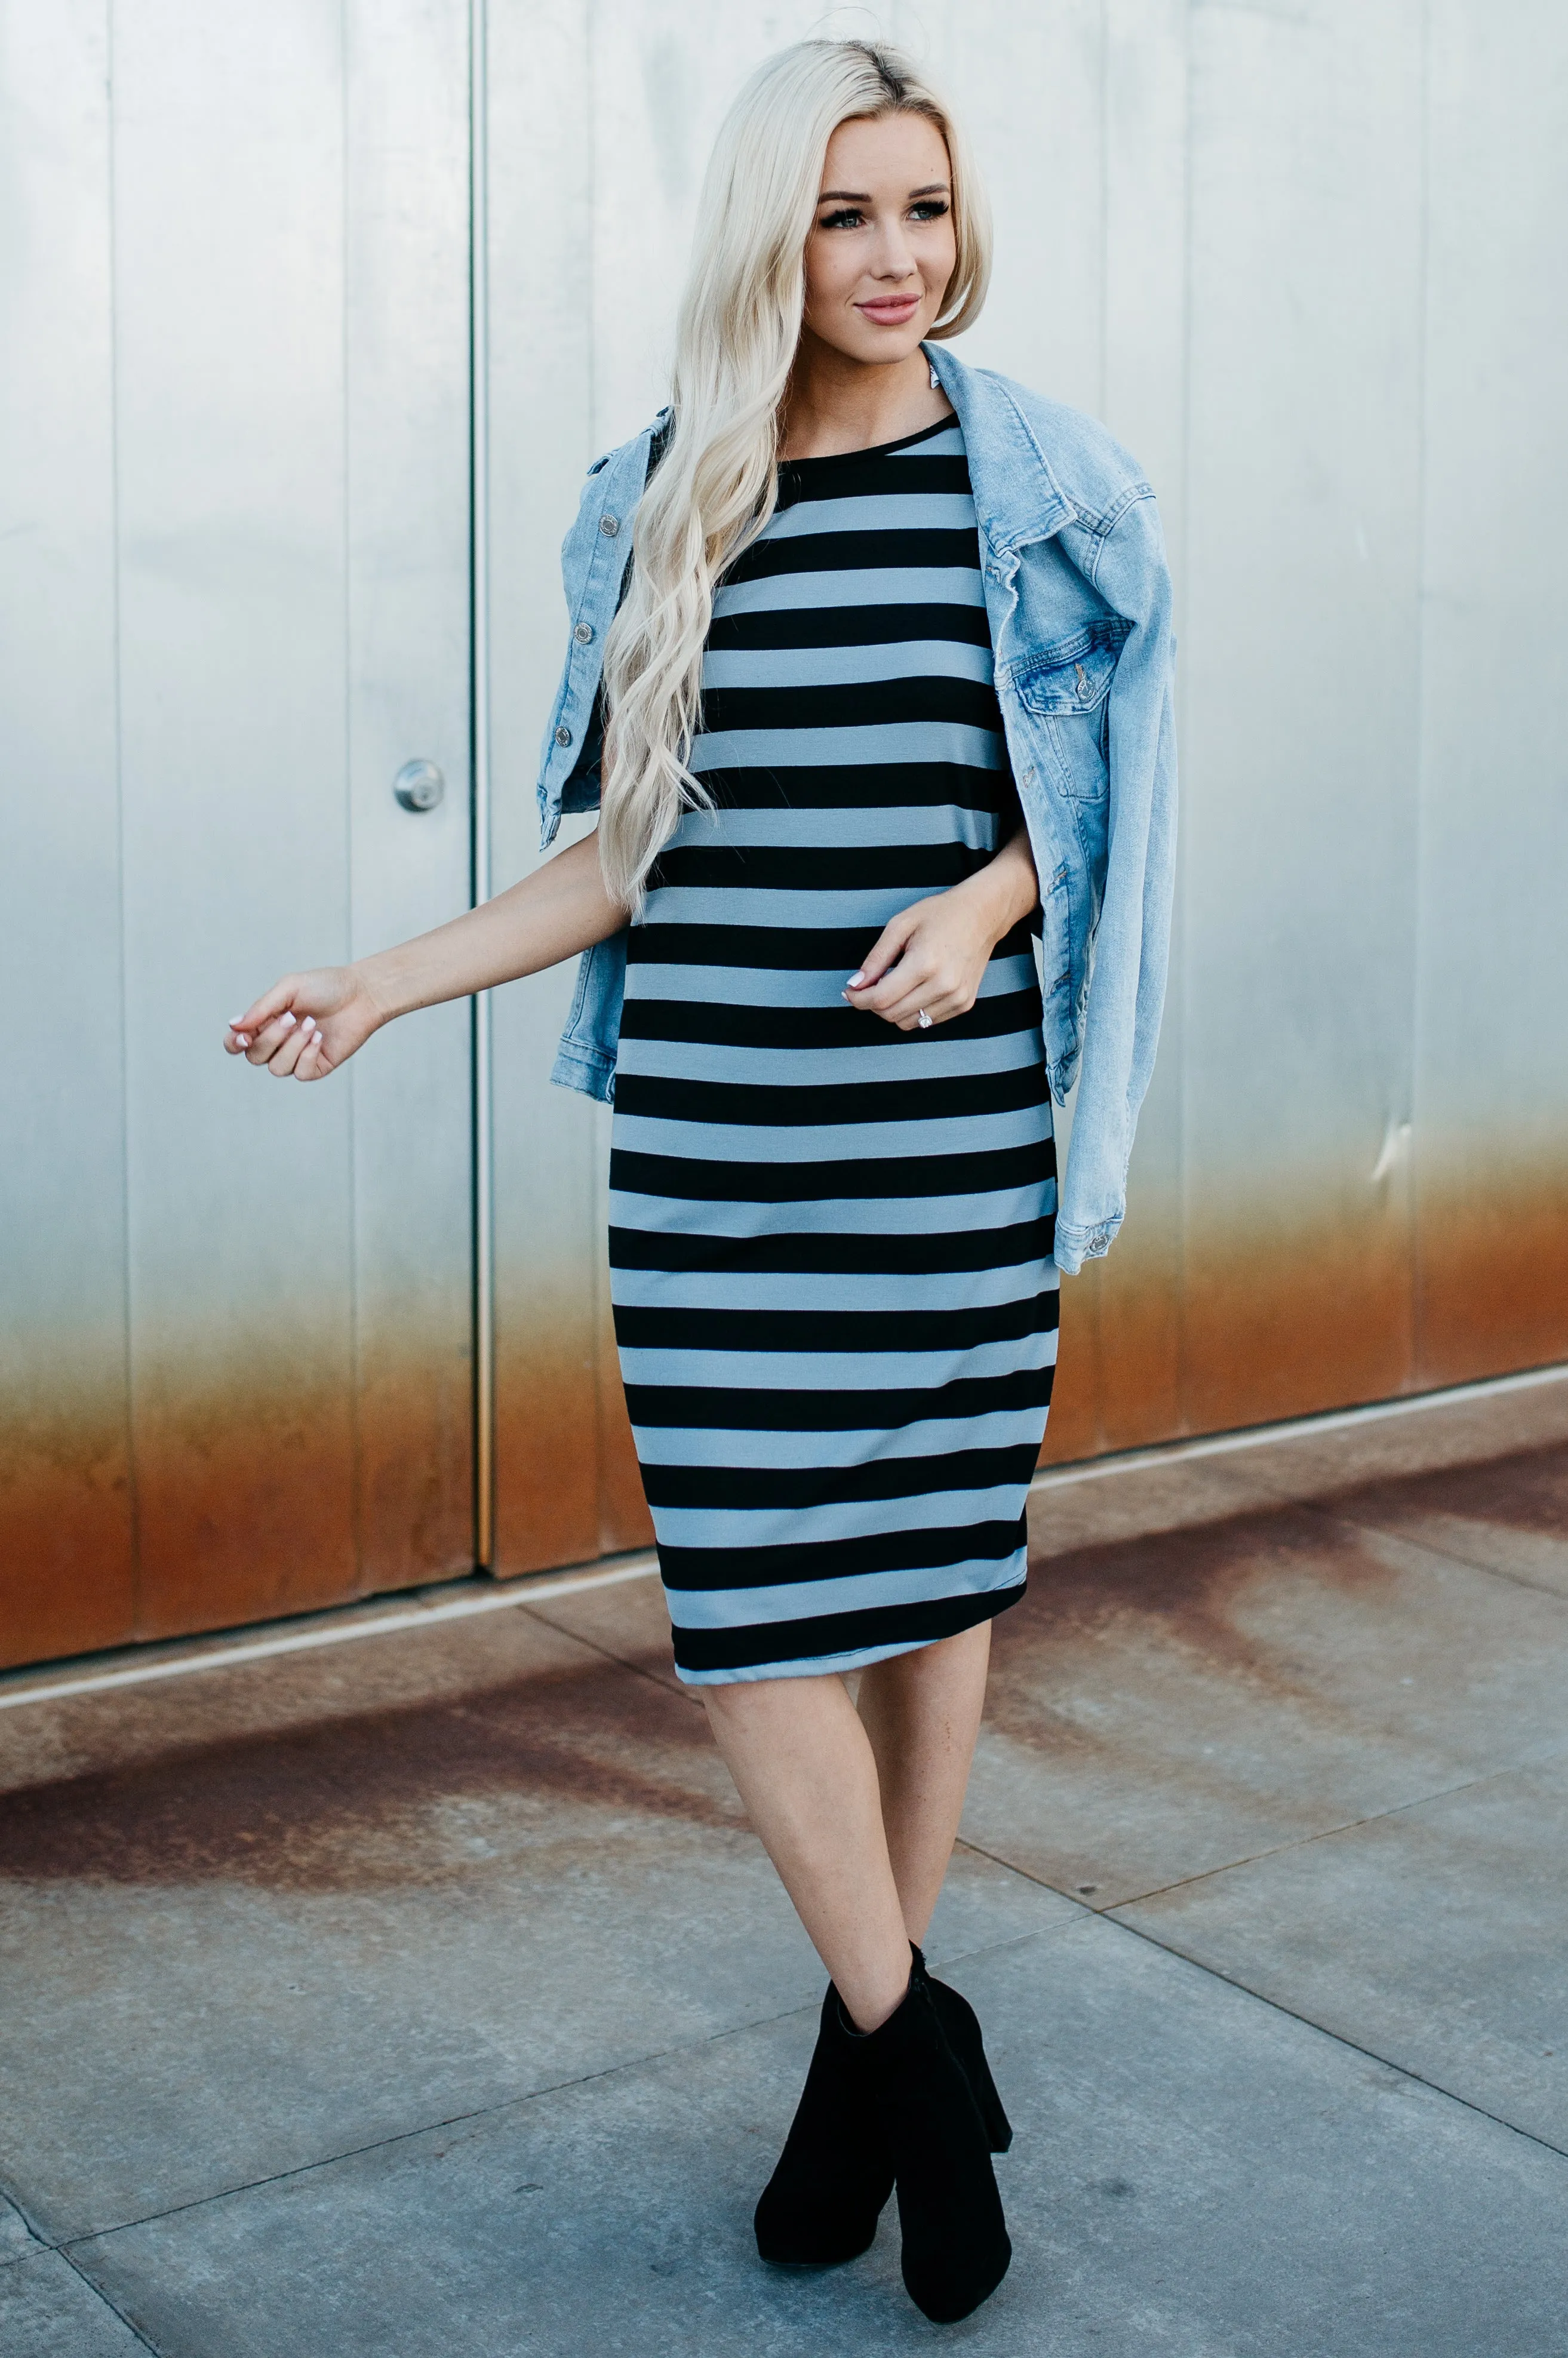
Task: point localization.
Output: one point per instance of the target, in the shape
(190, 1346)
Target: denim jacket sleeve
(1127, 991)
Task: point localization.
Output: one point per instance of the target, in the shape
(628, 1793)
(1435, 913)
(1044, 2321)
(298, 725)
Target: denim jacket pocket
(1065, 690)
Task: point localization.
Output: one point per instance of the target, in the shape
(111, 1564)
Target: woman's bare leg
(858, 1809)
(922, 1714)
(803, 1767)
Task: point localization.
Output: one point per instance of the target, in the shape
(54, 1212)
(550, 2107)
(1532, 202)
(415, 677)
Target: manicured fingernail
(235, 1022)
(243, 1038)
(288, 1018)
(854, 981)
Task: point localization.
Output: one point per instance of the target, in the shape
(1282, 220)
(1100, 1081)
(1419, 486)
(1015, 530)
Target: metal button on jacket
(609, 526)
(563, 735)
(583, 633)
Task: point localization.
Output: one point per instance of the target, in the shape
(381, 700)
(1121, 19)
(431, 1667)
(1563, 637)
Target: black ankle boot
(822, 2203)
(961, 2023)
(956, 2247)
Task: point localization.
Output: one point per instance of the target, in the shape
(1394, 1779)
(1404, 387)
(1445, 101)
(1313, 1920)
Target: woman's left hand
(933, 956)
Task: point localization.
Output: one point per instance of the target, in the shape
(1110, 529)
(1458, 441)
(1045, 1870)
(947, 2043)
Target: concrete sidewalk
(429, 1994)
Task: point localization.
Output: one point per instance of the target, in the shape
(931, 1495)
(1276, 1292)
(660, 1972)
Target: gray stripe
(824, 666)
(831, 1142)
(843, 1215)
(852, 1518)
(894, 510)
(749, 986)
(742, 1608)
(871, 585)
(814, 1372)
(884, 742)
(858, 828)
(936, 1436)
(902, 1059)
(947, 1289)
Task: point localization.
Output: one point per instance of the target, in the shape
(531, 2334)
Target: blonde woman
(868, 676)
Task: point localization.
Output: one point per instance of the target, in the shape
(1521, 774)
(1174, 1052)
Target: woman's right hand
(307, 1024)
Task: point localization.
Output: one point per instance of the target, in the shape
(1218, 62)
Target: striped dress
(830, 1241)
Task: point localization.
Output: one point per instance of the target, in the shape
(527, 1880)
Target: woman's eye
(928, 209)
(847, 217)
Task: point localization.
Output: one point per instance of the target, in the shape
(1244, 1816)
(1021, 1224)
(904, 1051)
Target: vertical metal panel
(1145, 405)
(66, 1554)
(1492, 1078)
(1300, 657)
(407, 621)
(228, 212)
(548, 1143)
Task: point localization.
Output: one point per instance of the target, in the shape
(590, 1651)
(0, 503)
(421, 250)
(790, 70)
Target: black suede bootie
(955, 2246)
(962, 2025)
(821, 2205)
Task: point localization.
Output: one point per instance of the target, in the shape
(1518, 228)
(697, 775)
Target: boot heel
(962, 2025)
(998, 2128)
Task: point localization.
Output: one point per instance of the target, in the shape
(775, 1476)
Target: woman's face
(881, 248)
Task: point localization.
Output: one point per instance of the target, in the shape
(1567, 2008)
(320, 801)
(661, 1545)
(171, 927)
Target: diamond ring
(924, 1020)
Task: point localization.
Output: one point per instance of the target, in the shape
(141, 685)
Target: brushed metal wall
(234, 598)
(1305, 258)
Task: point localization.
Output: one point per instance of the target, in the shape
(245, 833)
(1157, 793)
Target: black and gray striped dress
(830, 1241)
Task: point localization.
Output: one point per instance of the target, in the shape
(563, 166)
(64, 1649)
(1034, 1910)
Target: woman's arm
(933, 956)
(308, 1025)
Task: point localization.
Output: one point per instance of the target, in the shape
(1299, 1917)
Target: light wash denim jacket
(1079, 602)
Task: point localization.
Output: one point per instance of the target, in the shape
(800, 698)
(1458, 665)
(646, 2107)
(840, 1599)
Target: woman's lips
(891, 311)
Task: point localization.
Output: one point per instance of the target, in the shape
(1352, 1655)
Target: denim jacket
(1078, 598)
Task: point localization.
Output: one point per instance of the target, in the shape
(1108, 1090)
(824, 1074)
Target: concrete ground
(428, 1993)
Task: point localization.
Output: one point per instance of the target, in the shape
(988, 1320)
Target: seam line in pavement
(1278, 2006)
(510, 2104)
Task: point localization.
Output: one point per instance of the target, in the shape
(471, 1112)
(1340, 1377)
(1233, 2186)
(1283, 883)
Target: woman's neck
(834, 404)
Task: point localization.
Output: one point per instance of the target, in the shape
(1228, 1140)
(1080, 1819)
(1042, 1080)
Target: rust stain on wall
(251, 1499)
(271, 1492)
(1492, 1286)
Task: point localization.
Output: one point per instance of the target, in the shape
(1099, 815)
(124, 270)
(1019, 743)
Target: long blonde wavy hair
(735, 342)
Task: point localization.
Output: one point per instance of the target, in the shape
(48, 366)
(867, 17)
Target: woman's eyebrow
(863, 196)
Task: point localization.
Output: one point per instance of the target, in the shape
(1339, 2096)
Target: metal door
(234, 596)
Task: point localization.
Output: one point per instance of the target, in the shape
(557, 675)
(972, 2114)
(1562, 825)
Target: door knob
(419, 786)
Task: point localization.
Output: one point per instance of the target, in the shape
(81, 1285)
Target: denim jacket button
(563, 735)
(583, 633)
(609, 525)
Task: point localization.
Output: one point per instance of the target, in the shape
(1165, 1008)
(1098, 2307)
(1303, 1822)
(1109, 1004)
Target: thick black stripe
(827, 949)
(865, 474)
(779, 1567)
(950, 1096)
(718, 1024)
(699, 1408)
(851, 626)
(858, 785)
(822, 1635)
(817, 868)
(792, 1487)
(895, 1255)
(814, 1331)
(856, 552)
(686, 1178)
(854, 704)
